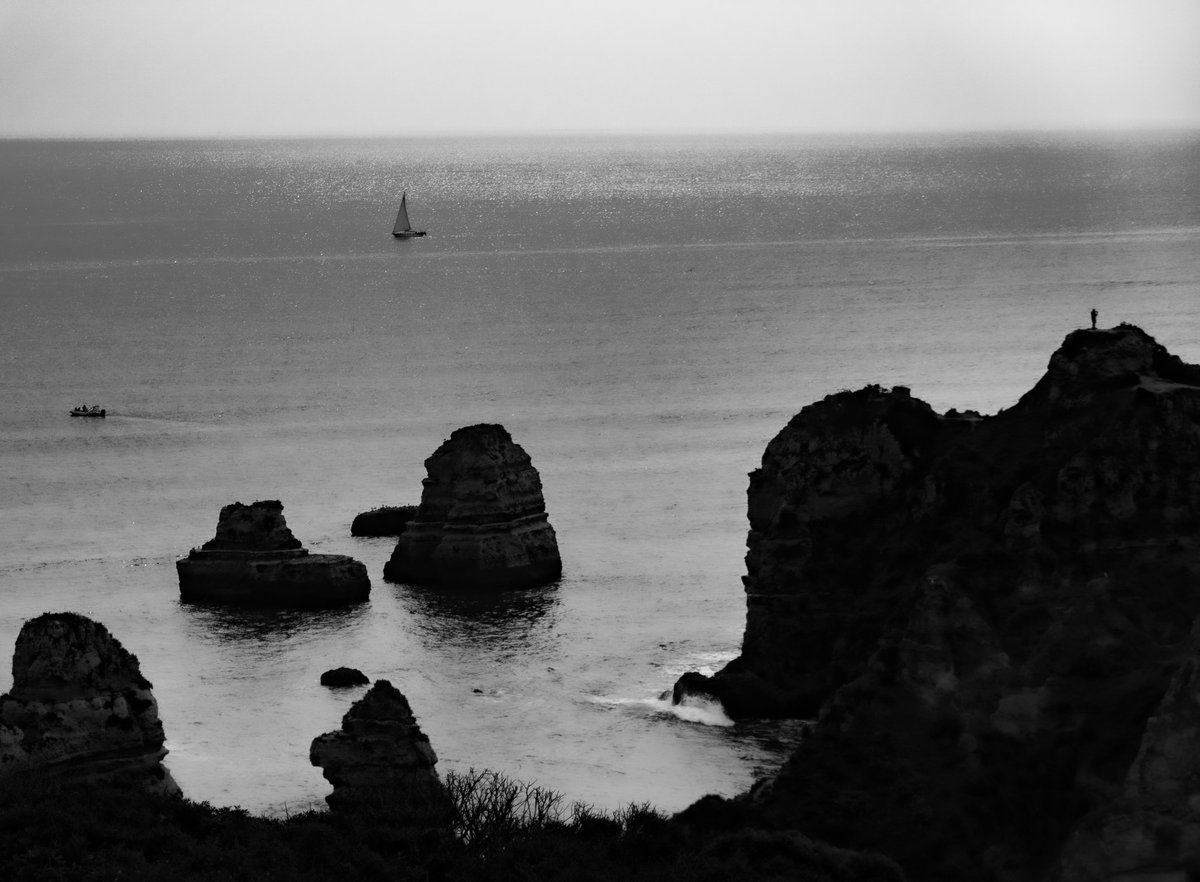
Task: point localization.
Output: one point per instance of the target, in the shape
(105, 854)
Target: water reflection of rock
(504, 619)
(240, 624)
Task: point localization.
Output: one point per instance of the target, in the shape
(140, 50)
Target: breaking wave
(706, 712)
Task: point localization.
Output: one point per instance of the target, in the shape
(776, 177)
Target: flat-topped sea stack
(482, 519)
(80, 704)
(381, 760)
(254, 560)
(992, 620)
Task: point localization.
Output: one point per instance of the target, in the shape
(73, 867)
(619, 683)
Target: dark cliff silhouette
(993, 621)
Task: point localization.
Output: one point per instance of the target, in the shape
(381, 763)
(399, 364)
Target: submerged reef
(482, 520)
(992, 620)
(254, 560)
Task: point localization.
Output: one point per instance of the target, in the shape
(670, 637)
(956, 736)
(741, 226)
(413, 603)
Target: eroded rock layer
(991, 618)
(482, 520)
(381, 758)
(80, 703)
(255, 560)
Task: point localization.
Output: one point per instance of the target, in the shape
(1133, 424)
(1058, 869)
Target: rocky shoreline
(83, 795)
(990, 620)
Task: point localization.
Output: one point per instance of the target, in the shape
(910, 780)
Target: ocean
(642, 314)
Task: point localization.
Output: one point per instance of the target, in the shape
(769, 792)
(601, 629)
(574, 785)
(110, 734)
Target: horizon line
(450, 134)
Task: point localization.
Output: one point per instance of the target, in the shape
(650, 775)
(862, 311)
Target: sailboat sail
(403, 229)
(402, 223)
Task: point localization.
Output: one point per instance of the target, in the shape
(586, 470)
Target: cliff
(991, 618)
(817, 594)
(80, 704)
(482, 520)
(254, 560)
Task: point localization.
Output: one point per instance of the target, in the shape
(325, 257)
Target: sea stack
(80, 704)
(482, 519)
(992, 620)
(387, 520)
(255, 560)
(381, 760)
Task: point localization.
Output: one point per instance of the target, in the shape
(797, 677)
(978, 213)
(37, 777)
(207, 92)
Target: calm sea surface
(642, 315)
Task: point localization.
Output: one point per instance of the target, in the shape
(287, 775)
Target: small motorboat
(84, 411)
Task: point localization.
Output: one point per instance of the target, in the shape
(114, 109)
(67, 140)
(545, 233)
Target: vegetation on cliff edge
(52, 827)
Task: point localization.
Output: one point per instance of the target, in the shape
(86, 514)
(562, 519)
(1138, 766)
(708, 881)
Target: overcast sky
(397, 67)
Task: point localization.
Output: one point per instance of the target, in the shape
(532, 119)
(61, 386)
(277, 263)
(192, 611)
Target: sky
(279, 68)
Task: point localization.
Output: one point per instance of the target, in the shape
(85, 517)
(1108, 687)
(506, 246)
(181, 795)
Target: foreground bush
(53, 828)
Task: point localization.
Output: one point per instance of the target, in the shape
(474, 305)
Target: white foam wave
(701, 710)
(693, 709)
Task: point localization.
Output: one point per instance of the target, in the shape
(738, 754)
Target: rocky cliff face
(80, 703)
(255, 560)
(824, 478)
(380, 758)
(482, 519)
(991, 618)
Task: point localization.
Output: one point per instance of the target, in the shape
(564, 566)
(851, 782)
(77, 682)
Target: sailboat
(403, 228)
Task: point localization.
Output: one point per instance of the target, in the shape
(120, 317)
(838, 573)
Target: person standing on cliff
(1094, 314)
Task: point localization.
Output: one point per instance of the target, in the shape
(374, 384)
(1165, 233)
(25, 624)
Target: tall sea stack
(79, 704)
(482, 520)
(381, 760)
(992, 620)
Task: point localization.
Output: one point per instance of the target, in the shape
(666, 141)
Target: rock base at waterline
(268, 579)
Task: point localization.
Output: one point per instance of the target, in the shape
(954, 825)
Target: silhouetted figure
(1094, 314)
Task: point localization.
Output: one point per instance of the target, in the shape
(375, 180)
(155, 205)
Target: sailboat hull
(409, 234)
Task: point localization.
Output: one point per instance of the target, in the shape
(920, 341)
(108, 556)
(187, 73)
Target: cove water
(643, 315)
